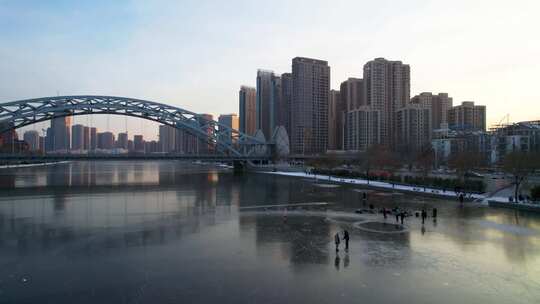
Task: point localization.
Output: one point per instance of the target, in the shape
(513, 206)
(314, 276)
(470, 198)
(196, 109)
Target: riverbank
(492, 201)
(381, 185)
(32, 165)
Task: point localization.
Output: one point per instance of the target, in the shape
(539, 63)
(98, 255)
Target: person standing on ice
(346, 239)
(424, 216)
(337, 241)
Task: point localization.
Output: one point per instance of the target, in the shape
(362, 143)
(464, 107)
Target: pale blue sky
(196, 54)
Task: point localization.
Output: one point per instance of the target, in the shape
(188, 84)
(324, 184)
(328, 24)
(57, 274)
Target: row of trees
(519, 165)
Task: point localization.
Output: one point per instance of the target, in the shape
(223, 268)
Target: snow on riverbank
(385, 185)
(33, 165)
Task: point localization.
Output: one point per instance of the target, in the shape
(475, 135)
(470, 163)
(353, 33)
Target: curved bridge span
(17, 114)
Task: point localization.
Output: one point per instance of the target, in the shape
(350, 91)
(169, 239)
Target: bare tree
(463, 163)
(376, 157)
(520, 165)
(425, 160)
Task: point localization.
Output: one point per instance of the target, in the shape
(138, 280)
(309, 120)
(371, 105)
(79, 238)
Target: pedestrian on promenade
(434, 214)
(364, 196)
(424, 216)
(337, 241)
(346, 239)
(461, 198)
(402, 216)
(384, 212)
(397, 215)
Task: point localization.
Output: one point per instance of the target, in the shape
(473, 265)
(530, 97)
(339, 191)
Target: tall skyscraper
(276, 105)
(41, 143)
(122, 141)
(353, 96)
(231, 121)
(105, 140)
(86, 138)
(467, 117)
(31, 137)
(186, 143)
(49, 140)
(61, 128)
(286, 101)
(266, 84)
(77, 137)
(333, 120)
(387, 85)
(439, 105)
(353, 93)
(167, 138)
(93, 139)
(138, 144)
(309, 121)
(413, 127)
(203, 145)
(248, 110)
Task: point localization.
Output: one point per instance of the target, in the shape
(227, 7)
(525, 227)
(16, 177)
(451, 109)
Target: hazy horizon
(197, 54)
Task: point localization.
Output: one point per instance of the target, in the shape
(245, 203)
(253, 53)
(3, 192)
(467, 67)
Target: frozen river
(170, 232)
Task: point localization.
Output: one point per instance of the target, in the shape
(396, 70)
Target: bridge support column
(239, 166)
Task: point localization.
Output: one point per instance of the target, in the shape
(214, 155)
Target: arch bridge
(228, 141)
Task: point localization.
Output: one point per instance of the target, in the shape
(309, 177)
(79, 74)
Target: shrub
(535, 193)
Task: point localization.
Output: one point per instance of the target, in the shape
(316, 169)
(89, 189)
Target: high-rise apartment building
(93, 138)
(41, 143)
(77, 137)
(413, 127)
(353, 96)
(167, 138)
(335, 127)
(186, 143)
(439, 105)
(49, 140)
(387, 85)
(31, 137)
(363, 128)
(286, 100)
(204, 146)
(138, 143)
(151, 146)
(61, 132)
(86, 138)
(467, 117)
(277, 107)
(122, 141)
(353, 93)
(309, 120)
(248, 110)
(231, 121)
(264, 106)
(105, 140)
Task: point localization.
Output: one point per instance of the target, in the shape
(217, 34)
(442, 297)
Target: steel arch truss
(21, 113)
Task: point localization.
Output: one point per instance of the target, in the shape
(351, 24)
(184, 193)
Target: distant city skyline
(479, 51)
